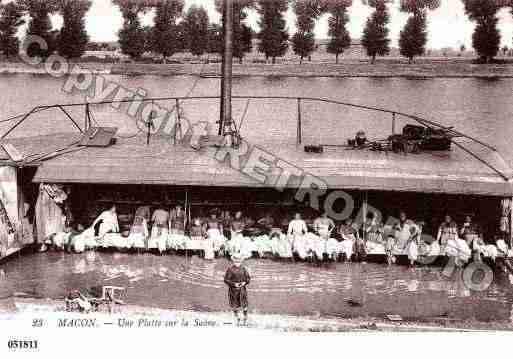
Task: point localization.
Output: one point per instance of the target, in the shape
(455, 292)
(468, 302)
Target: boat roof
(132, 161)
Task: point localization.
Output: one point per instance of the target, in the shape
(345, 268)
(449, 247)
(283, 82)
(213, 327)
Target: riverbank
(54, 310)
(427, 69)
(423, 68)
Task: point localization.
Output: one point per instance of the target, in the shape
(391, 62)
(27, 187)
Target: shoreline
(54, 309)
(424, 69)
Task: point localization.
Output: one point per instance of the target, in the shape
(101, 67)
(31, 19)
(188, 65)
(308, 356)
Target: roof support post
(299, 125)
(393, 123)
(178, 125)
(364, 213)
(87, 124)
(510, 223)
(150, 125)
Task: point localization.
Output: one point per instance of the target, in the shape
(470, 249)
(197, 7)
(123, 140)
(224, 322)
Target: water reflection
(276, 287)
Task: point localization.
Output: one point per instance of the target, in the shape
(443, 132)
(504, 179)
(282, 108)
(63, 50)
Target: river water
(478, 107)
(177, 282)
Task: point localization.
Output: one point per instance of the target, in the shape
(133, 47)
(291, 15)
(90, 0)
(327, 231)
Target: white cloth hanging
(505, 214)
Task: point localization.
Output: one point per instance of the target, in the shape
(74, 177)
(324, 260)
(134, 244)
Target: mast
(226, 70)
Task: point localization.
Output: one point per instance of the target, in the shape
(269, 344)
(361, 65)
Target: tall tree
(413, 37)
(132, 37)
(214, 39)
(243, 41)
(168, 33)
(273, 34)
(413, 6)
(303, 41)
(73, 37)
(11, 18)
(375, 34)
(303, 44)
(339, 36)
(148, 35)
(486, 37)
(196, 30)
(243, 36)
(40, 25)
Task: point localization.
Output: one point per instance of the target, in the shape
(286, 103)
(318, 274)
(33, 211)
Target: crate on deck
(400, 143)
(427, 138)
(314, 149)
(418, 138)
(436, 141)
(99, 137)
(414, 132)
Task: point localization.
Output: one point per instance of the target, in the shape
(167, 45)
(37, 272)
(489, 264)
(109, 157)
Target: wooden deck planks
(132, 161)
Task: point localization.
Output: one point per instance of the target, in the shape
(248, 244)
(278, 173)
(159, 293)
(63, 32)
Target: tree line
(175, 31)
(69, 41)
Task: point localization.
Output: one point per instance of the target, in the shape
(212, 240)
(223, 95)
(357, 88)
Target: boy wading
(237, 278)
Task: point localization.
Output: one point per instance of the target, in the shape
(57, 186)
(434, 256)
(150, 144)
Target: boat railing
(450, 131)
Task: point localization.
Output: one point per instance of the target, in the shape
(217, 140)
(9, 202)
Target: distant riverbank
(423, 68)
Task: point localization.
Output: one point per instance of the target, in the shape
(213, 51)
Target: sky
(448, 25)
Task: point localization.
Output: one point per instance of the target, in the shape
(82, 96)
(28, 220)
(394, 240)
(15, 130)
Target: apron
(158, 237)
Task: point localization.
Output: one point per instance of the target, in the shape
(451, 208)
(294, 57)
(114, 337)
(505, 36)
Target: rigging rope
(91, 116)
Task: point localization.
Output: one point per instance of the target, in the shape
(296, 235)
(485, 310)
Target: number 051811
(22, 344)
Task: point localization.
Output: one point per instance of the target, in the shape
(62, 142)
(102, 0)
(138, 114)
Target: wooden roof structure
(131, 161)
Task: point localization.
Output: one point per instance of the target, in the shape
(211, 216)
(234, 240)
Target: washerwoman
(177, 221)
(296, 233)
(215, 238)
(448, 231)
(159, 230)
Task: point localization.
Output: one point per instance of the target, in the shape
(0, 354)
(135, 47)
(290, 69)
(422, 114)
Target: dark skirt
(238, 297)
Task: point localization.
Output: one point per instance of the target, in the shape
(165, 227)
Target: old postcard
(240, 169)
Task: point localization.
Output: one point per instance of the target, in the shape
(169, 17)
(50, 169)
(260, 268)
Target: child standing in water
(237, 278)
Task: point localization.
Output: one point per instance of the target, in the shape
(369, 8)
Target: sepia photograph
(254, 166)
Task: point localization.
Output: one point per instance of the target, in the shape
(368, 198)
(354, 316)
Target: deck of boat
(132, 161)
